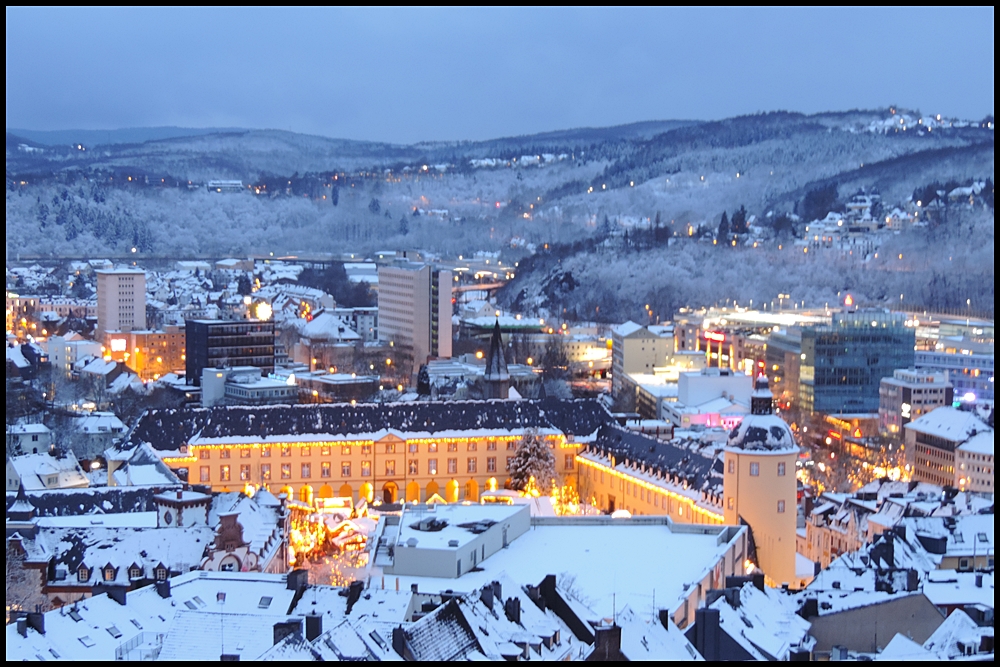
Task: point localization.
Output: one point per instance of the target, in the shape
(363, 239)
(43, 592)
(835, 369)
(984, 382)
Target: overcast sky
(406, 75)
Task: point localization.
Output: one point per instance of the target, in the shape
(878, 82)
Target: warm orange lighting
(716, 336)
(849, 301)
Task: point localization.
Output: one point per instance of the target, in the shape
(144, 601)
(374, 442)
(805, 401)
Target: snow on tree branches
(533, 465)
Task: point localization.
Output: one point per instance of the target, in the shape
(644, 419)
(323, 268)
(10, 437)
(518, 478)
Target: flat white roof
(454, 515)
(617, 564)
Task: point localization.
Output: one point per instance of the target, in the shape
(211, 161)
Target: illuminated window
(245, 453)
(471, 447)
(366, 468)
(366, 450)
(345, 450)
(470, 465)
(305, 451)
(569, 461)
(244, 473)
(412, 466)
(109, 573)
(224, 473)
(730, 503)
(324, 469)
(345, 469)
(432, 466)
(491, 464)
(204, 454)
(781, 507)
(286, 471)
(265, 452)
(205, 475)
(432, 447)
(286, 450)
(781, 469)
(265, 471)
(224, 453)
(754, 469)
(390, 467)
(390, 448)
(324, 451)
(491, 446)
(452, 466)
(452, 446)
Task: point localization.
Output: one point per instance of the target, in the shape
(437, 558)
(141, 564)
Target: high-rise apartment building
(414, 309)
(842, 364)
(907, 395)
(121, 300)
(228, 343)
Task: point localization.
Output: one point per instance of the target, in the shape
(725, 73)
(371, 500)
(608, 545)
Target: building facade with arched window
(434, 451)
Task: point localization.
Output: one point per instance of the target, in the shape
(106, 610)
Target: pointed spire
(496, 364)
(542, 394)
(22, 509)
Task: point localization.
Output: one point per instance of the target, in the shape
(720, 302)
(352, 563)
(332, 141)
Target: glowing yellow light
(263, 311)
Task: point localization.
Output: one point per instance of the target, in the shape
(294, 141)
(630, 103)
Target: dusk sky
(406, 74)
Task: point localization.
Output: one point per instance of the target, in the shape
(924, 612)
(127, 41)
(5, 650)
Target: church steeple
(496, 375)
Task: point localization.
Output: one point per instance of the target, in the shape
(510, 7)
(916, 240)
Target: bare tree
(24, 585)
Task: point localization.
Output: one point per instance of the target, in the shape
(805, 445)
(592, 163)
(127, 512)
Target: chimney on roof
(354, 594)
(486, 596)
(22, 626)
(163, 588)
(297, 580)
(284, 628)
(608, 643)
(706, 633)
(36, 620)
(399, 641)
(180, 495)
(512, 609)
(314, 626)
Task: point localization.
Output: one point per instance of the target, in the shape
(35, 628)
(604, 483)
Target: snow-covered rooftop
(948, 423)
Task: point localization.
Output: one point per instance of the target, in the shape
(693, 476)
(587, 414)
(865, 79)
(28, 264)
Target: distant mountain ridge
(130, 135)
(139, 135)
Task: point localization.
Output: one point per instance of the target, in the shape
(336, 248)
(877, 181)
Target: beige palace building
(393, 452)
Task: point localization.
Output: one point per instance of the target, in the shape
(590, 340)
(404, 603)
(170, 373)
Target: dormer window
(135, 572)
(161, 574)
(109, 573)
(83, 575)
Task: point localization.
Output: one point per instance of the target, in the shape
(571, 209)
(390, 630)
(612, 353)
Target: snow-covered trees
(533, 462)
(24, 592)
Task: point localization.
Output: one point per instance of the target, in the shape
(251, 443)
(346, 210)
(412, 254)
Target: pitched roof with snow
(169, 430)
(949, 424)
(660, 459)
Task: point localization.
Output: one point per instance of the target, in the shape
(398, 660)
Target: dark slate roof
(443, 635)
(167, 430)
(99, 500)
(658, 457)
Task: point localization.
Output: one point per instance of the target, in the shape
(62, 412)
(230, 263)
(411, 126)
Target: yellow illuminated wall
(615, 488)
(390, 469)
